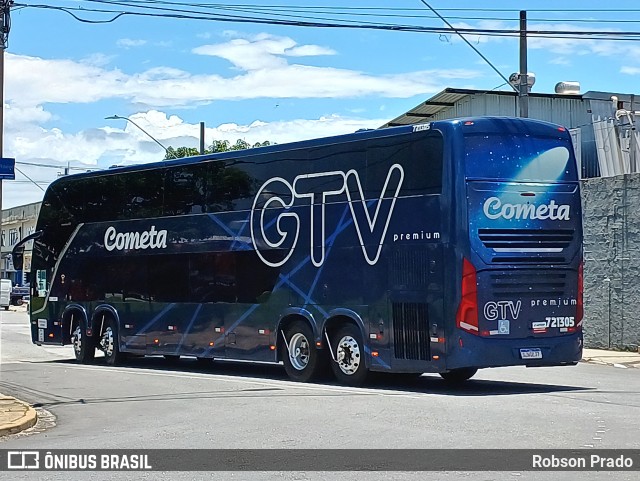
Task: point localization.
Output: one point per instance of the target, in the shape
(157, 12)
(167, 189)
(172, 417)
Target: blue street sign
(7, 167)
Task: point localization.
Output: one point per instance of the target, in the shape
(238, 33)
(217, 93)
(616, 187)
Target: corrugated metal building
(591, 117)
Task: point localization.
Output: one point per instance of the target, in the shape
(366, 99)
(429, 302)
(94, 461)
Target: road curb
(623, 364)
(15, 415)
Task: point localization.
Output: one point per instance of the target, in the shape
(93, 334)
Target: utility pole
(633, 168)
(523, 93)
(201, 138)
(5, 24)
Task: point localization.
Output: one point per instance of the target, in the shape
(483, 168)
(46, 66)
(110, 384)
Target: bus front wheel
(348, 349)
(458, 375)
(302, 360)
(83, 346)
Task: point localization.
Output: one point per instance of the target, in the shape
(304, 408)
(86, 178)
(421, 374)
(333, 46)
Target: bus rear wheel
(84, 347)
(458, 375)
(302, 361)
(348, 349)
(110, 343)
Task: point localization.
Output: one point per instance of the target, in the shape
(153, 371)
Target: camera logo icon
(23, 460)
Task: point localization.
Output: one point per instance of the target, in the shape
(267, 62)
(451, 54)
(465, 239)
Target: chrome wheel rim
(107, 341)
(348, 355)
(299, 351)
(77, 340)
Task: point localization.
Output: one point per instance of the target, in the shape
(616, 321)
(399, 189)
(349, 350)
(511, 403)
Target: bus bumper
(467, 350)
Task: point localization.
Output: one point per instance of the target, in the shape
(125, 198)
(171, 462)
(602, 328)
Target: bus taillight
(467, 316)
(580, 307)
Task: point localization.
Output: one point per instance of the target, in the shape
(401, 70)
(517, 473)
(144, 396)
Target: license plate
(534, 353)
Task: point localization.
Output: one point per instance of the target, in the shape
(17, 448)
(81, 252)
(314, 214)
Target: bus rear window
(519, 158)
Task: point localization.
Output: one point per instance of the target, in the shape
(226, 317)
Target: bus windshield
(519, 158)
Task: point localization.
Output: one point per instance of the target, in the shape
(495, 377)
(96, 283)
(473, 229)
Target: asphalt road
(154, 404)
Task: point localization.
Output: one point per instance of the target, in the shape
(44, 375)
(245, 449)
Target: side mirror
(17, 257)
(17, 254)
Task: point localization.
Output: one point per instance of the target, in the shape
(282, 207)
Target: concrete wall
(612, 261)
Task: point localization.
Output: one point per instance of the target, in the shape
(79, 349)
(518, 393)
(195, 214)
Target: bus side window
(212, 277)
(421, 159)
(41, 288)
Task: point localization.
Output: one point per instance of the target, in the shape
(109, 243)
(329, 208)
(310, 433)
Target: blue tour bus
(441, 247)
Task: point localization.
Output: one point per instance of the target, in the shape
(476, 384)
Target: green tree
(216, 146)
(180, 152)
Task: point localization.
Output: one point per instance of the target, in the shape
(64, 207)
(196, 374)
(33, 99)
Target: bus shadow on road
(433, 384)
(410, 384)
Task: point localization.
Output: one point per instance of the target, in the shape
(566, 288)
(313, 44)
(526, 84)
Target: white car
(5, 293)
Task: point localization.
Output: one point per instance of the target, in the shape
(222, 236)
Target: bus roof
(479, 124)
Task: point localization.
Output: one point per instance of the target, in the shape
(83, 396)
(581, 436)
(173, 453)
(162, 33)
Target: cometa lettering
(494, 209)
(151, 239)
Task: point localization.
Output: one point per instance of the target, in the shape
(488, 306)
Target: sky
(64, 73)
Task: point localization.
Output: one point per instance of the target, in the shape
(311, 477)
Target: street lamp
(118, 117)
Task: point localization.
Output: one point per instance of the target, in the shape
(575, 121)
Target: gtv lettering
(274, 192)
(501, 310)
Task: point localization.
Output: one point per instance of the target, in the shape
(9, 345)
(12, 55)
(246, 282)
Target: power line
(32, 181)
(391, 9)
(495, 69)
(43, 182)
(367, 11)
(54, 166)
(378, 11)
(207, 16)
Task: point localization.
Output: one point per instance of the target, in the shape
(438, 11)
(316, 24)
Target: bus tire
(84, 347)
(348, 348)
(456, 376)
(110, 341)
(302, 361)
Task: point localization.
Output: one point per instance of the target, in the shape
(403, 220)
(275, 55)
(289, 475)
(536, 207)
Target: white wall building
(17, 223)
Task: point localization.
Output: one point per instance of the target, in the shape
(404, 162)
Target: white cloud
(309, 51)
(129, 42)
(17, 115)
(98, 59)
(264, 72)
(630, 70)
(172, 130)
(126, 144)
(560, 44)
(471, 38)
(259, 53)
(35, 81)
